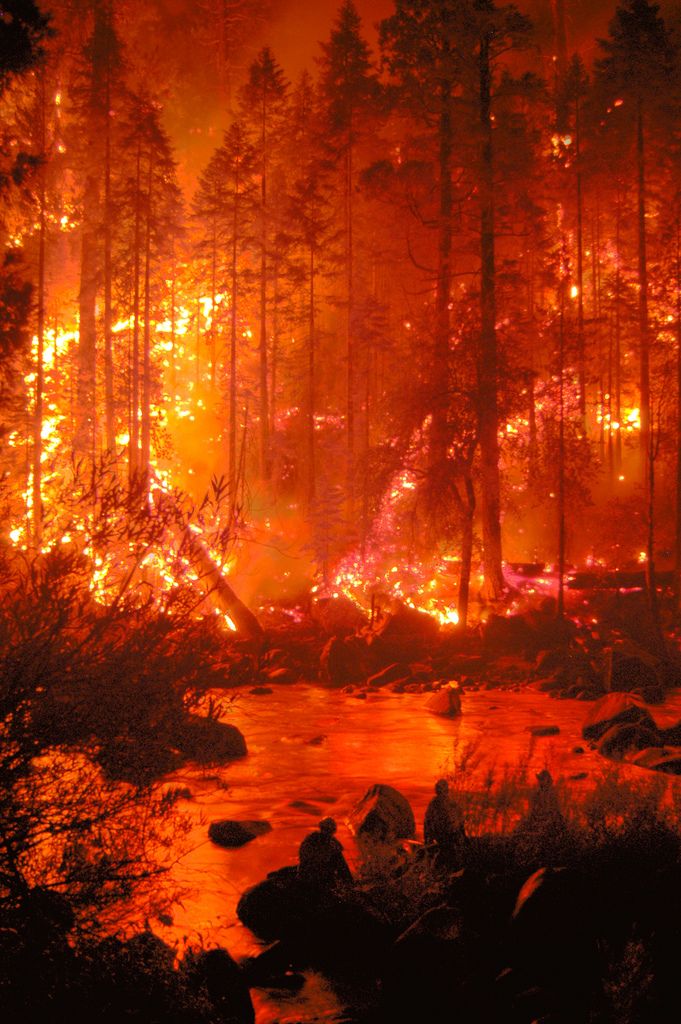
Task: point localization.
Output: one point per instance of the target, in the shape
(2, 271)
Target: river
(314, 752)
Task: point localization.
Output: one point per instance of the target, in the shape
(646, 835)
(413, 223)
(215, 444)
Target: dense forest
(360, 364)
(416, 315)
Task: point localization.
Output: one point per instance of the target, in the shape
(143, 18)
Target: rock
(341, 662)
(624, 737)
(219, 975)
(426, 970)
(306, 808)
(505, 634)
(391, 674)
(543, 730)
(615, 708)
(445, 702)
(273, 907)
(338, 616)
(659, 759)
(407, 634)
(627, 672)
(261, 691)
(383, 815)
(284, 674)
(233, 834)
(671, 736)
(552, 939)
(206, 741)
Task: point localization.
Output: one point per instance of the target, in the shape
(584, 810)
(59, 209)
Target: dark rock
(342, 662)
(383, 815)
(338, 616)
(624, 737)
(503, 634)
(659, 759)
(543, 730)
(390, 674)
(671, 736)
(407, 634)
(445, 702)
(233, 834)
(552, 937)
(283, 675)
(207, 741)
(261, 691)
(306, 808)
(615, 708)
(631, 672)
(426, 969)
(219, 975)
(316, 741)
(271, 907)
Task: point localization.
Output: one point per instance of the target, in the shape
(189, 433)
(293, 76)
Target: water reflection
(314, 752)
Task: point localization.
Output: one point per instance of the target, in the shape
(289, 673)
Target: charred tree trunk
(231, 461)
(84, 439)
(677, 561)
(146, 355)
(644, 321)
(311, 354)
(134, 445)
(349, 338)
(468, 510)
(36, 496)
(110, 424)
(439, 382)
(264, 438)
(581, 347)
(488, 407)
(644, 352)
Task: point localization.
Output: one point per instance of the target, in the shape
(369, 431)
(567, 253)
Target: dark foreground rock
(207, 741)
(616, 709)
(383, 815)
(445, 701)
(233, 834)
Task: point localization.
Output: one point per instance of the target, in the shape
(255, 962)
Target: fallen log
(243, 619)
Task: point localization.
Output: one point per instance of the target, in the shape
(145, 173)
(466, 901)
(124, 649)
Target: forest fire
(340, 390)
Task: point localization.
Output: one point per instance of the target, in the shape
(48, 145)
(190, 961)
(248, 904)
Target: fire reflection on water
(314, 752)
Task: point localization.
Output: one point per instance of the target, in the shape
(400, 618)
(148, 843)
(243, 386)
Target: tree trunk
(134, 444)
(677, 562)
(468, 509)
(40, 369)
(108, 275)
(264, 400)
(581, 348)
(349, 339)
(488, 408)
(311, 475)
(84, 438)
(439, 382)
(644, 324)
(146, 356)
(232, 468)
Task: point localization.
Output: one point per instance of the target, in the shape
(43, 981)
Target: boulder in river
(383, 815)
(217, 973)
(342, 662)
(397, 672)
(624, 737)
(616, 708)
(659, 759)
(446, 701)
(208, 741)
(233, 834)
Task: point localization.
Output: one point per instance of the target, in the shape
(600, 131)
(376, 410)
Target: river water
(314, 752)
